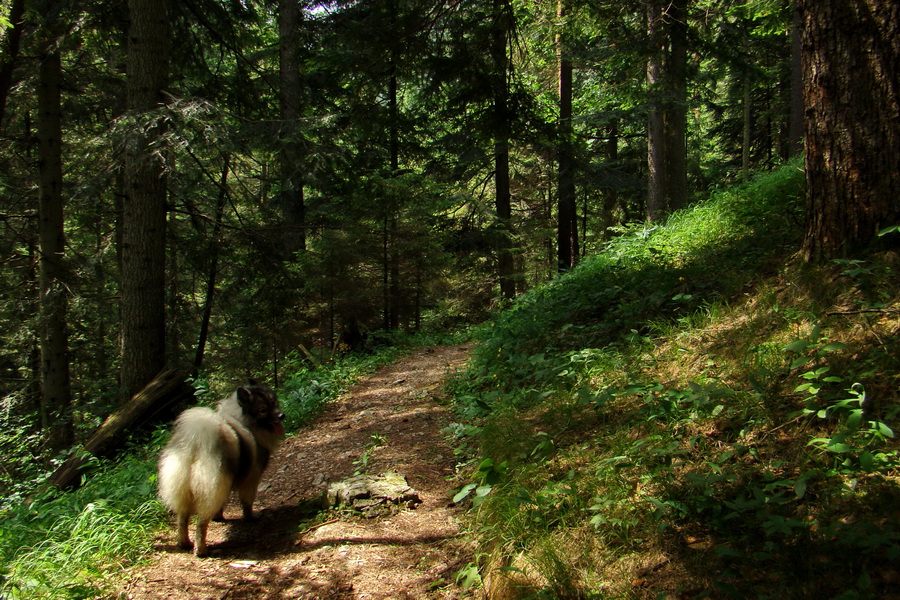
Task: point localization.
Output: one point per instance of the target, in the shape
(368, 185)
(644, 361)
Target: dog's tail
(194, 473)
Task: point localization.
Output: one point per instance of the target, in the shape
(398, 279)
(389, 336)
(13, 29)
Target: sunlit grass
(80, 553)
(705, 396)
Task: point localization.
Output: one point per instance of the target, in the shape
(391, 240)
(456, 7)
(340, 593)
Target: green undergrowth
(67, 545)
(694, 413)
(73, 545)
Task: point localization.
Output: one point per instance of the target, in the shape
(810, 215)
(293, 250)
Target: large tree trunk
(567, 226)
(505, 262)
(851, 57)
(56, 414)
(144, 210)
(667, 111)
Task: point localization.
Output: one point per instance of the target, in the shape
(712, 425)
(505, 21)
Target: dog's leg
(249, 515)
(183, 540)
(200, 536)
(247, 495)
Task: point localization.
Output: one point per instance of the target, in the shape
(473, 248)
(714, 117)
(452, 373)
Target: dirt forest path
(413, 554)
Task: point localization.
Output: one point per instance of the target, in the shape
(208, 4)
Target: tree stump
(372, 496)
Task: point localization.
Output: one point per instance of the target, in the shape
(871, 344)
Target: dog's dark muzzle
(275, 423)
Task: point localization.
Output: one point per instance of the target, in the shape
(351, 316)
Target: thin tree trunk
(56, 398)
(676, 106)
(745, 139)
(503, 202)
(385, 270)
(292, 200)
(394, 150)
(611, 196)
(851, 57)
(417, 301)
(213, 267)
(567, 227)
(550, 247)
(656, 155)
(506, 262)
(144, 214)
(795, 119)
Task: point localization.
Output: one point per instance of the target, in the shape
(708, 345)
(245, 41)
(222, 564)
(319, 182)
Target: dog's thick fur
(214, 452)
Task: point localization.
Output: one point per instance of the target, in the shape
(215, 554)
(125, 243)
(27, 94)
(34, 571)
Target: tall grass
(648, 273)
(67, 545)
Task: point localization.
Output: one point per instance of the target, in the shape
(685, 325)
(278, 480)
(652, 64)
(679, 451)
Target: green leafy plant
(856, 445)
(487, 476)
(362, 463)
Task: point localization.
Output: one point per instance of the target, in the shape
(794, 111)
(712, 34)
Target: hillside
(693, 413)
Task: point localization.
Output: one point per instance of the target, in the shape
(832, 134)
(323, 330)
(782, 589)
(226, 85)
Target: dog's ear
(244, 396)
(252, 381)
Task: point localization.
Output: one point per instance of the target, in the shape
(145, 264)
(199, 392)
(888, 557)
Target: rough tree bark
(56, 417)
(144, 208)
(676, 106)
(851, 57)
(667, 112)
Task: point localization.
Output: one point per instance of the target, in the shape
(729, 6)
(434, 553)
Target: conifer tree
(851, 57)
(144, 219)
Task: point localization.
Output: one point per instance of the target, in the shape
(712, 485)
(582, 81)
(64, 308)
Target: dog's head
(259, 402)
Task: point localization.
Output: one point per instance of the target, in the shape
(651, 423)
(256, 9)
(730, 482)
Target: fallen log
(165, 391)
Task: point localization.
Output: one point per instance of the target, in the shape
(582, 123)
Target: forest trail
(413, 554)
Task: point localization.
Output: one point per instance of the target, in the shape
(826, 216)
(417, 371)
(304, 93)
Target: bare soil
(298, 550)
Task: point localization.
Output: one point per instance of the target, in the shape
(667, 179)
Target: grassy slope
(693, 413)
